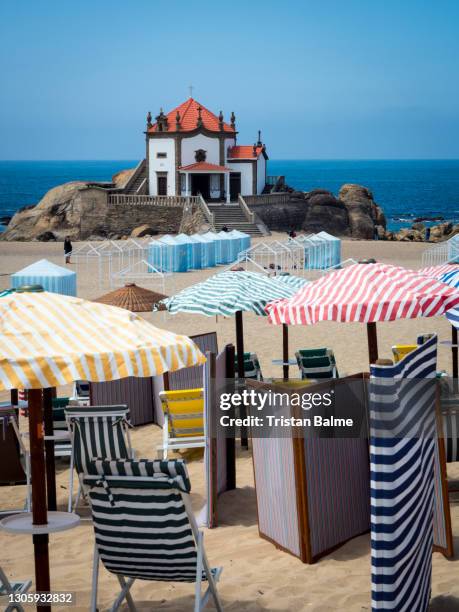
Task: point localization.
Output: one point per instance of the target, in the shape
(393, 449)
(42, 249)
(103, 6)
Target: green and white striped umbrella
(230, 292)
(295, 282)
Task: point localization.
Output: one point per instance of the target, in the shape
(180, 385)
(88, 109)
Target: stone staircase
(136, 180)
(233, 217)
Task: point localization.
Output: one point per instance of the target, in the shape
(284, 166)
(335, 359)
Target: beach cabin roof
(43, 267)
(49, 275)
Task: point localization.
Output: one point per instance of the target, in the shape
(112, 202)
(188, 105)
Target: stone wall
(122, 219)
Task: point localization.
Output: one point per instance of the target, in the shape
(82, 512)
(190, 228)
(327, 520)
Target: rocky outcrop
(353, 214)
(193, 221)
(121, 178)
(325, 212)
(60, 211)
(364, 213)
(143, 230)
(81, 210)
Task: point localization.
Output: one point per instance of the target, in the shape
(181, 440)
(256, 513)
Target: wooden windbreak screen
(220, 449)
(313, 492)
(136, 393)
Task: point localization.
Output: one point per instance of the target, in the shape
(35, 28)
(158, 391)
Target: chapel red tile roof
(244, 152)
(189, 112)
(204, 167)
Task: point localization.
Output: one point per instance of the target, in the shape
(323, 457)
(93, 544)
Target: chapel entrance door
(235, 185)
(200, 183)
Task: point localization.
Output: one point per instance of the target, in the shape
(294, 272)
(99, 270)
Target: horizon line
(270, 159)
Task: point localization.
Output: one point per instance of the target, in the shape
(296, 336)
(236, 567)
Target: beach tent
(48, 340)
(177, 253)
(194, 251)
(50, 276)
(244, 240)
(318, 252)
(208, 255)
(228, 248)
(453, 249)
(213, 237)
(365, 293)
(167, 255)
(335, 250)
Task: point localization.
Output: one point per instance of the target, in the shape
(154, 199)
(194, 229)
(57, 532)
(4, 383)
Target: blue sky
(321, 79)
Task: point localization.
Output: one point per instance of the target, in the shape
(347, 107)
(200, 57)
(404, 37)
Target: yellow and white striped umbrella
(48, 340)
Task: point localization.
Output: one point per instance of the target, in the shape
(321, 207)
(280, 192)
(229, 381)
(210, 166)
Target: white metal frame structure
(141, 272)
(442, 253)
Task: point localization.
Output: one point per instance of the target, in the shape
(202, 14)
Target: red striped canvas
(439, 271)
(365, 293)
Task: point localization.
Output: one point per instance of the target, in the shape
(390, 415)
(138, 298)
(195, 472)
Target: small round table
(23, 523)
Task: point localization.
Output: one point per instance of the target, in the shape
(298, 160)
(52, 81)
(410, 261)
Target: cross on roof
(191, 87)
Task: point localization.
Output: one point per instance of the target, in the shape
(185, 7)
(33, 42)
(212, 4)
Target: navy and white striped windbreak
(402, 450)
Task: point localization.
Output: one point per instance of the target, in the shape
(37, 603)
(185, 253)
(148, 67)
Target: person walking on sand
(67, 249)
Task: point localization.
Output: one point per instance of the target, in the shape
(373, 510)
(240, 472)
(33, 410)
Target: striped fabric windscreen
(275, 486)
(191, 378)
(98, 432)
(337, 491)
(402, 449)
(141, 525)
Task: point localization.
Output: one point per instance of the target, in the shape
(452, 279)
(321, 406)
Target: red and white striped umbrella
(365, 293)
(439, 271)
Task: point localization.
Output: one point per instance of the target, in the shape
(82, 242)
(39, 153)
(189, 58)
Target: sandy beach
(256, 575)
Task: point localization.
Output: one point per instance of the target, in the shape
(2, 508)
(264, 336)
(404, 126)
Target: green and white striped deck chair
(145, 528)
(252, 368)
(12, 588)
(96, 431)
(317, 363)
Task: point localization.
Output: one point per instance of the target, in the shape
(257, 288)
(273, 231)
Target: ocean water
(406, 189)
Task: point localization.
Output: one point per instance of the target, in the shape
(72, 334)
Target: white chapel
(191, 151)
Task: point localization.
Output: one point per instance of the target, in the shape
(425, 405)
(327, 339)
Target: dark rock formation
(354, 213)
(364, 213)
(46, 237)
(325, 212)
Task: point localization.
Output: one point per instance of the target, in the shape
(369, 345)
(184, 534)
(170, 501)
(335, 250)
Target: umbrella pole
(49, 447)
(14, 397)
(39, 511)
(240, 369)
(454, 353)
(372, 342)
(285, 349)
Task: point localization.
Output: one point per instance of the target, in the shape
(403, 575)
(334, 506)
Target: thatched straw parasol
(133, 298)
